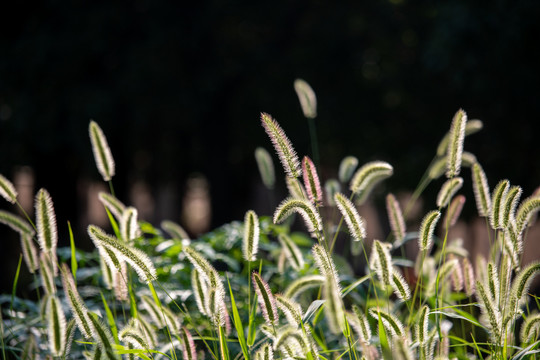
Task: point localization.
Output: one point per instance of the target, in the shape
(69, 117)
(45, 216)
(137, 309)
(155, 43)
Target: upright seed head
(395, 217)
(46, 225)
(311, 181)
(324, 263)
(383, 266)
(333, 306)
(129, 228)
(427, 229)
(7, 190)
(102, 152)
(295, 187)
(499, 196)
(400, 286)
(307, 98)
(267, 302)
(78, 308)
(468, 277)
(56, 326)
(29, 253)
(508, 214)
(454, 210)
(251, 236)
(331, 187)
(292, 252)
(346, 168)
(354, 222)
(282, 145)
(481, 190)
(455, 144)
(188, 345)
(266, 167)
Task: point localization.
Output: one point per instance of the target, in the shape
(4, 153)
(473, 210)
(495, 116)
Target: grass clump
(154, 293)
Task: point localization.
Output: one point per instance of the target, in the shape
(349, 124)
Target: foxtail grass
(102, 152)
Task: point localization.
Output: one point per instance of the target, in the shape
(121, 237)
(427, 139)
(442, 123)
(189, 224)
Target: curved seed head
(448, 190)
(140, 262)
(306, 209)
(367, 177)
(17, 223)
(7, 190)
(115, 206)
(174, 230)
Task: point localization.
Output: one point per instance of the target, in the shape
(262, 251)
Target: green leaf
(73, 253)
(110, 319)
(238, 324)
(312, 309)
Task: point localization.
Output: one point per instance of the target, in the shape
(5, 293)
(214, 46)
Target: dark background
(178, 88)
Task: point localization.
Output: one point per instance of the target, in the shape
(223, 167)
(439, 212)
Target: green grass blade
(386, 352)
(223, 344)
(73, 253)
(114, 224)
(15, 281)
(238, 324)
(110, 319)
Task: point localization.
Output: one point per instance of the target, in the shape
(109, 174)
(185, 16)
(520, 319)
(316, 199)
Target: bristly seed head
(350, 214)
(481, 190)
(346, 168)
(266, 167)
(7, 190)
(311, 181)
(102, 152)
(454, 210)
(395, 217)
(251, 236)
(448, 190)
(267, 302)
(307, 98)
(427, 229)
(367, 177)
(305, 208)
(455, 144)
(282, 145)
(499, 196)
